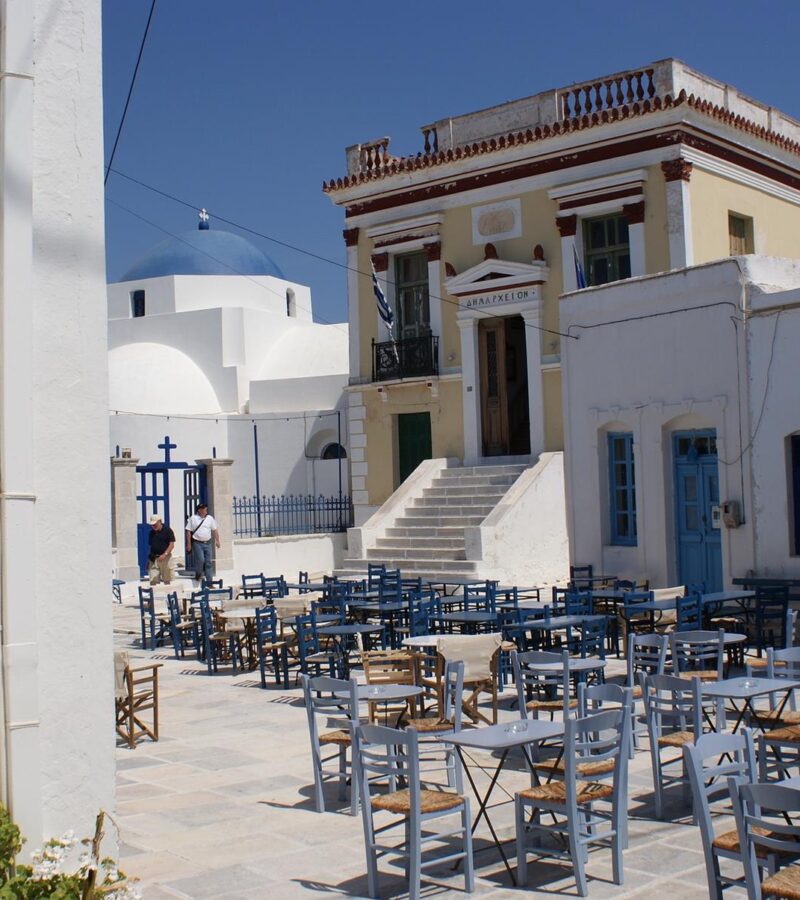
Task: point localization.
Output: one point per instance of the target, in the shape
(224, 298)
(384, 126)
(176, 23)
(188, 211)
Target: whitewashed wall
(288, 555)
(651, 375)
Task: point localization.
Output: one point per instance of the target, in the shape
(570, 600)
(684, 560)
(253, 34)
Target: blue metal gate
(699, 549)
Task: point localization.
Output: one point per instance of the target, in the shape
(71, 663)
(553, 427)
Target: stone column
(434, 252)
(533, 352)
(567, 227)
(677, 173)
(125, 517)
(220, 505)
(470, 387)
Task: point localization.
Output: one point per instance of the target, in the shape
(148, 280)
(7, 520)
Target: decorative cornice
(676, 169)
(433, 251)
(350, 236)
(380, 262)
(567, 225)
(588, 200)
(634, 212)
(397, 165)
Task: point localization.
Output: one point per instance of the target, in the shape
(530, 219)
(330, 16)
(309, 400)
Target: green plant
(94, 877)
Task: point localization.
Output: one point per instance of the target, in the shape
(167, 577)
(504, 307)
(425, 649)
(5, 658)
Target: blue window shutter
(621, 488)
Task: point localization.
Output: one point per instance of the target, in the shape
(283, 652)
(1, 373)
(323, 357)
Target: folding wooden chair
(136, 693)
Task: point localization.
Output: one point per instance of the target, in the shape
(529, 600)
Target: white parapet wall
(524, 539)
(317, 554)
(366, 535)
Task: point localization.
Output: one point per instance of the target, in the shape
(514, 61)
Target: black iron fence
(266, 516)
(407, 358)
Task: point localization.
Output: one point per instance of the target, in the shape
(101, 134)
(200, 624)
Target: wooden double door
(505, 417)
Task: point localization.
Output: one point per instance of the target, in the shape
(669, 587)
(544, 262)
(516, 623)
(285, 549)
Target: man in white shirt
(201, 530)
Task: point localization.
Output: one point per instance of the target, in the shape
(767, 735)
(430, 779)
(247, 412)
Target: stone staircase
(427, 538)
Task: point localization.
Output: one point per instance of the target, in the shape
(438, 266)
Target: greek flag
(384, 310)
(579, 276)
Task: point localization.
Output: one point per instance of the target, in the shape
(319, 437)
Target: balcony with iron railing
(501, 126)
(415, 357)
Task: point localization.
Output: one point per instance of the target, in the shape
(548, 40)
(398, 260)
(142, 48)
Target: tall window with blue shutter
(622, 488)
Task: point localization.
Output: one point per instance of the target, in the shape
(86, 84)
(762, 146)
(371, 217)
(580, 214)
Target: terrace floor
(221, 807)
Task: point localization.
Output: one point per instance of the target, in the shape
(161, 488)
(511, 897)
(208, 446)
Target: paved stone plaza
(221, 806)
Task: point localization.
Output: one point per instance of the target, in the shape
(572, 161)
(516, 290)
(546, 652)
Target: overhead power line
(130, 90)
(316, 256)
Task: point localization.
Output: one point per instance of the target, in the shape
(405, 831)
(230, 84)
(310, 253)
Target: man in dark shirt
(161, 541)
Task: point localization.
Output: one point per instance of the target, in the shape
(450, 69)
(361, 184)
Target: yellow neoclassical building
(474, 239)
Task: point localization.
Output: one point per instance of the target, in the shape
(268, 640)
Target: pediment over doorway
(498, 282)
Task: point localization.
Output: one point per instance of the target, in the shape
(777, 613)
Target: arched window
(291, 308)
(333, 451)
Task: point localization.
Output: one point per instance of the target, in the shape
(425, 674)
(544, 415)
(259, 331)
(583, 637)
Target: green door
(413, 441)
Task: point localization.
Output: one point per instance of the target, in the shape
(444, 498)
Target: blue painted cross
(166, 447)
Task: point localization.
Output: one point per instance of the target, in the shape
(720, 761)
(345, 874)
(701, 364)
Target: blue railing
(265, 516)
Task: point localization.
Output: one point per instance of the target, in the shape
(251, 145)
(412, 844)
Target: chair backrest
(581, 576)
(453, 688)
(336, 606)
(594, 697)
(388, 666)
(695, 587)
(325, 696)
(767, 822)
(211, 583)
(217, 595)
(266, 625)
(578, 603)
(273, 586)
(646, 653)
(688, 613)
(668, 593)
(121, 661)
(374, 573)
(476, 651)
(302, 578)
(480, 596)
(789, 628)
(147, 600)
(307, 639)
(633, 598)
(697, 650)
(672, 704)
(559, 595)
(206, 617)
(594, 738)
(174, 609)
(253, 585)
(541, 673)
(422, 613)
(624, 584)
(790, 659)
(411, 585)
(389, 588)
(592, 638)
(709, 762)
(382, 756)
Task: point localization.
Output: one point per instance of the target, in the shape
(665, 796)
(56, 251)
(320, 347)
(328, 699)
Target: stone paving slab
(222, 806)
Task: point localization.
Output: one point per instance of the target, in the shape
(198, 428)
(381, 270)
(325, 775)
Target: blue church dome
(203, 252)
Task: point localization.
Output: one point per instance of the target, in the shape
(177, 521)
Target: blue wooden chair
(332, 606)
(384, 756)
(559, 598)
(636, 621)
(540, 686)
(767, 817)
(480, 597)
(591, 640)
(389, 586)
(116, 589)
(580, 577)
(253, 585)
(210, 584)
(375, 571)
(578, 604)
(273, 586)
(181, 630)
(154, 625)
(215, 641)
(710, 762)
(646, 655)
(589, 742)
(772, 604)
(327, 697)
(269, 644)
(688, 613)
(310, 658)
(303, 581)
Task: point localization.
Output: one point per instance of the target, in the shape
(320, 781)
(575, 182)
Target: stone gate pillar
(220, 505)
(125, 517)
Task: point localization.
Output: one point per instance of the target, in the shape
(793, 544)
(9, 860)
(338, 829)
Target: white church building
(214, 355)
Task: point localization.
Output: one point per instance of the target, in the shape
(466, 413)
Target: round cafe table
(385, 694)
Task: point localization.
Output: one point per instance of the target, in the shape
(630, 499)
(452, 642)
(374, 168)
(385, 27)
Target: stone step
(450, 509)
(428, 521)
(510, 469)
(490, 491)
(380, 553)
(421, 533)
(430, 543)
(414, 567)
(475, 481)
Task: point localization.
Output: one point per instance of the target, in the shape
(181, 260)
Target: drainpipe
(20, 774)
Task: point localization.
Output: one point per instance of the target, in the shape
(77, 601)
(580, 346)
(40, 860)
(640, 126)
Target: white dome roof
(158, 379)
(304, 353)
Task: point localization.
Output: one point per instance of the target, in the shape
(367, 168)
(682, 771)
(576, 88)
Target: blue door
(699, 548)
(153, 498)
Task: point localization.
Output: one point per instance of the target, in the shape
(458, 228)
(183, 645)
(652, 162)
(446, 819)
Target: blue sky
(246, 106)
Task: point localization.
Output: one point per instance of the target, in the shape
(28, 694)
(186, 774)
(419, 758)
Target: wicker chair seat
(556, 792)
(676, 739)
(702, 674)
(429, 725)
(784, 883)
(550, 704)
(759, 663)
(787, 717)
(788, 734)
(729, 840)
(586, 769)
(273, 645)
(636, 692)
(429, 801)
(335, 737)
